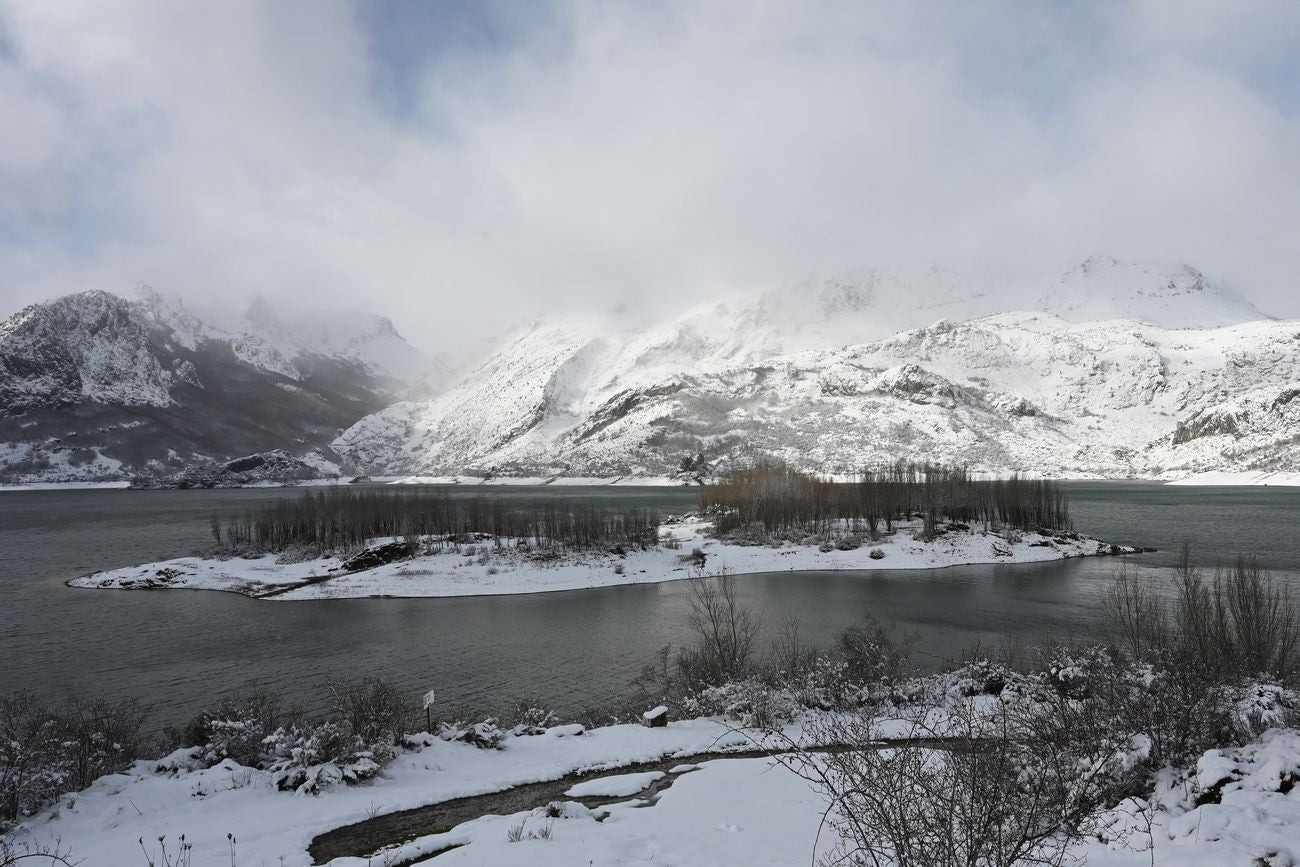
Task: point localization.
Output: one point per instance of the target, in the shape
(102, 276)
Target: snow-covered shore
(66, 486)
(537, 481)
(742, 811)
(484, 569)
(1257, 478)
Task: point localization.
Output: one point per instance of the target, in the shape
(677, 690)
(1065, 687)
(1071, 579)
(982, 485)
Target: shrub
(46, 751)
(847, 542)
(371, 710)
(871, 653)
(1015, 785)
(531, 719)
(485, 735)
(236, 728)
(753, 703)
(311, 757)
(366, 722)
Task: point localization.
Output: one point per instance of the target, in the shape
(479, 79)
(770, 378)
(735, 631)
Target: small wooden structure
(655, 718)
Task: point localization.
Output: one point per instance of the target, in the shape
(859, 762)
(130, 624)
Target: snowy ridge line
(483, 570)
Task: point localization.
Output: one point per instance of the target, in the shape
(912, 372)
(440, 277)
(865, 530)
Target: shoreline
(1211, 478)
(480, 569)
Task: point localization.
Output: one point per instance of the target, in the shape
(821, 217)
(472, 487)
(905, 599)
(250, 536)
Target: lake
(178, 651)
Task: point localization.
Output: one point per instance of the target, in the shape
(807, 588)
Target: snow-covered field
(483, 569)
(742, 811)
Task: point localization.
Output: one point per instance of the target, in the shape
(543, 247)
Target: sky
(464, 166)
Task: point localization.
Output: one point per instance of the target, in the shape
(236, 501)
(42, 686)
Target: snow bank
(485, 570)
(103, 823)
(618, 786)
(65, 486)
(740, 811)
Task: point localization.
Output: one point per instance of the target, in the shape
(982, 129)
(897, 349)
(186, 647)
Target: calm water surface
(178, 650)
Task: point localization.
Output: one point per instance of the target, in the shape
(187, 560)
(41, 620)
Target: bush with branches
(47, 751)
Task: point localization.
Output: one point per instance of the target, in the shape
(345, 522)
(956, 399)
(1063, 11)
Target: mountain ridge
(730, 381)
(95, 386)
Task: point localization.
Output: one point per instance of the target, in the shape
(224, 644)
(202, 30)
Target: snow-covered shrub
(1257, 707)
(531, 720)
(751, 702)
(876, 554)
(310, 758)
(847, 542)
(46, 751)
(359, 737)
(979, 677)
(30, 775)
(826, 547)
(235, 729)
(485, 735)
(821, 684)
(1078, 671)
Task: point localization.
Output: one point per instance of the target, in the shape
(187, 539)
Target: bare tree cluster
(725, 669)
(780, 498)
(1238, 622)
(973, 785)
(338, 520)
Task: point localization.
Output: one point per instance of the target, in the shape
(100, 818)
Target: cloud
(464, 169)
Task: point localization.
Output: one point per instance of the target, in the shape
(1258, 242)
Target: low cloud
(596, 155)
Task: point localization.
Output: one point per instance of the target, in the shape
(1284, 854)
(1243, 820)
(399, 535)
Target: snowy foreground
(741, 811)
(483, 569)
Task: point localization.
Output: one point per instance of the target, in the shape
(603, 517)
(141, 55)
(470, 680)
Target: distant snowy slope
(1077, 391)
(1177, 296)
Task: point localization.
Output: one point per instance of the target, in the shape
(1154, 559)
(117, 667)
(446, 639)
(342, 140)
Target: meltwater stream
(178, 651)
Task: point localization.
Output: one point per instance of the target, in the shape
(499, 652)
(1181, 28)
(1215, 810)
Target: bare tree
(726, 631)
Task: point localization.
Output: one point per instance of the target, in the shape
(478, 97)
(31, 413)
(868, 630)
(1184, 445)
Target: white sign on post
(428, 699)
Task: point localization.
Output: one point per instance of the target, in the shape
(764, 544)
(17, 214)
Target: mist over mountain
(1115, 369)
(94, 386)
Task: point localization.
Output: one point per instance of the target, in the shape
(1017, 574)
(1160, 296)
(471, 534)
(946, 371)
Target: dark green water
(179, 650)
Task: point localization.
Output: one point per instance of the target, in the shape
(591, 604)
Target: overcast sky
(460, 166)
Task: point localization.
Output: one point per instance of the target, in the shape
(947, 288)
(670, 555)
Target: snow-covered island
(484, 569)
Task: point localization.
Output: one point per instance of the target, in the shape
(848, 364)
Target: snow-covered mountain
(97, 386)
(1120, 369)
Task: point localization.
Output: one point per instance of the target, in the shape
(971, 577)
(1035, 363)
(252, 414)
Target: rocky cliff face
(1069, 389)
(96, 387)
